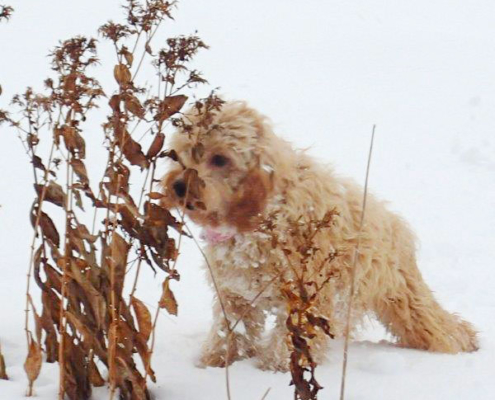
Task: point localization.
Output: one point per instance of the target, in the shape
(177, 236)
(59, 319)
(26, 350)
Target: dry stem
(266, 393)
(353, 271)
(31, 257)
(62, 321)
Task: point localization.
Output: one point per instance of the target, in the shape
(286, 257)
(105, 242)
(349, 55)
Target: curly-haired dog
(246, 173)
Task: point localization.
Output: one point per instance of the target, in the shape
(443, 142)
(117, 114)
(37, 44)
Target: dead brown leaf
(32, 365)
(80, 170)
(167, 301)
(145, 354)
(156, 146)
(194, 183)
(114, 103)
(133, 376)
(74, 142)
(143, 317)
(129, 58)
(47, 226)
(158, 216)
(53, 193)
(156, 195)
(122, 75)
(133, 105)
(38, 163)
(170, 106)
(94, 375)
(131, 149)
(116, 259)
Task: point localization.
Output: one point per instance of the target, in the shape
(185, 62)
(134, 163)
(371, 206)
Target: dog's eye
(218, 160)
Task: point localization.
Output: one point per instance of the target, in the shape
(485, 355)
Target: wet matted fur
(247, 173)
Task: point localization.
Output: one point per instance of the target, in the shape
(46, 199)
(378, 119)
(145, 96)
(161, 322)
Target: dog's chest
(243, 266)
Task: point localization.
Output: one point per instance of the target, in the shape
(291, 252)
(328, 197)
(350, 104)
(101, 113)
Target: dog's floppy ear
(250, 200)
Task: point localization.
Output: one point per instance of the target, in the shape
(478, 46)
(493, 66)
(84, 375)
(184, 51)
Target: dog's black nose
(180, 188)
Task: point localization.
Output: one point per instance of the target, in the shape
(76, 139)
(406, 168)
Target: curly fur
(263, 175)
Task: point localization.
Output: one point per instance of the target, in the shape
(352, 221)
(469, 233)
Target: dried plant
(85, 318)
(309, 272)
(301, 286)
(5, 12)
(86, 322)
(3, 368)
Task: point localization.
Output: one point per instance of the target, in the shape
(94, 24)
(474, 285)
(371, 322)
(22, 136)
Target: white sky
(325, 72)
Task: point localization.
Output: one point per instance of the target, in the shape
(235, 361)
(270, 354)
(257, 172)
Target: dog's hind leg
(410, 312)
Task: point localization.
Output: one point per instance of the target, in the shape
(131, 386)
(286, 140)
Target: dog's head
(226, 170)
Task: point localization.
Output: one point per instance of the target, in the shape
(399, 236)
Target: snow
(324, 72)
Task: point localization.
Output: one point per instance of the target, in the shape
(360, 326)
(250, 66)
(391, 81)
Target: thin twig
(212, 275)
(266, 393)
(353, 271)
(227, 373)
(138, 270)
(224, 312)
(144, 52)
(113, 299)
(63, 291)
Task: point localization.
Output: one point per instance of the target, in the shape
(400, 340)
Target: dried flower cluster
(5, 12)
(86, 323)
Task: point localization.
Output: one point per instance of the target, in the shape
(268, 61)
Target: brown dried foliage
(5, 12)
(310, 272)
(3, 368)
(32, 365)
(86, 323)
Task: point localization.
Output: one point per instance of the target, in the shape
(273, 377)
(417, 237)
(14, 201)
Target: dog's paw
(271, 361)
(215, 359)
(217, 356)
(273, 364)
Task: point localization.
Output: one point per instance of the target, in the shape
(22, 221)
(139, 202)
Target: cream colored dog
(236, 172)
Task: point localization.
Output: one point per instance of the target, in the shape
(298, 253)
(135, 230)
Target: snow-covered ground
(324, 71)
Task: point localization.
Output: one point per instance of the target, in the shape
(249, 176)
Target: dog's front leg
(246, 323)
(275, 355)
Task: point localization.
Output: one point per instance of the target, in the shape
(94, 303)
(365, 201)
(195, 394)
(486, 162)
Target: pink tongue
(214, 237)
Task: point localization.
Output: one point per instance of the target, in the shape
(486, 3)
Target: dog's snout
(180, 188)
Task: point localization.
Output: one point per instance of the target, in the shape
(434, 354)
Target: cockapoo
(234, 173)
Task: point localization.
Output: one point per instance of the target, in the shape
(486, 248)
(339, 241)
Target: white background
(324, 72)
